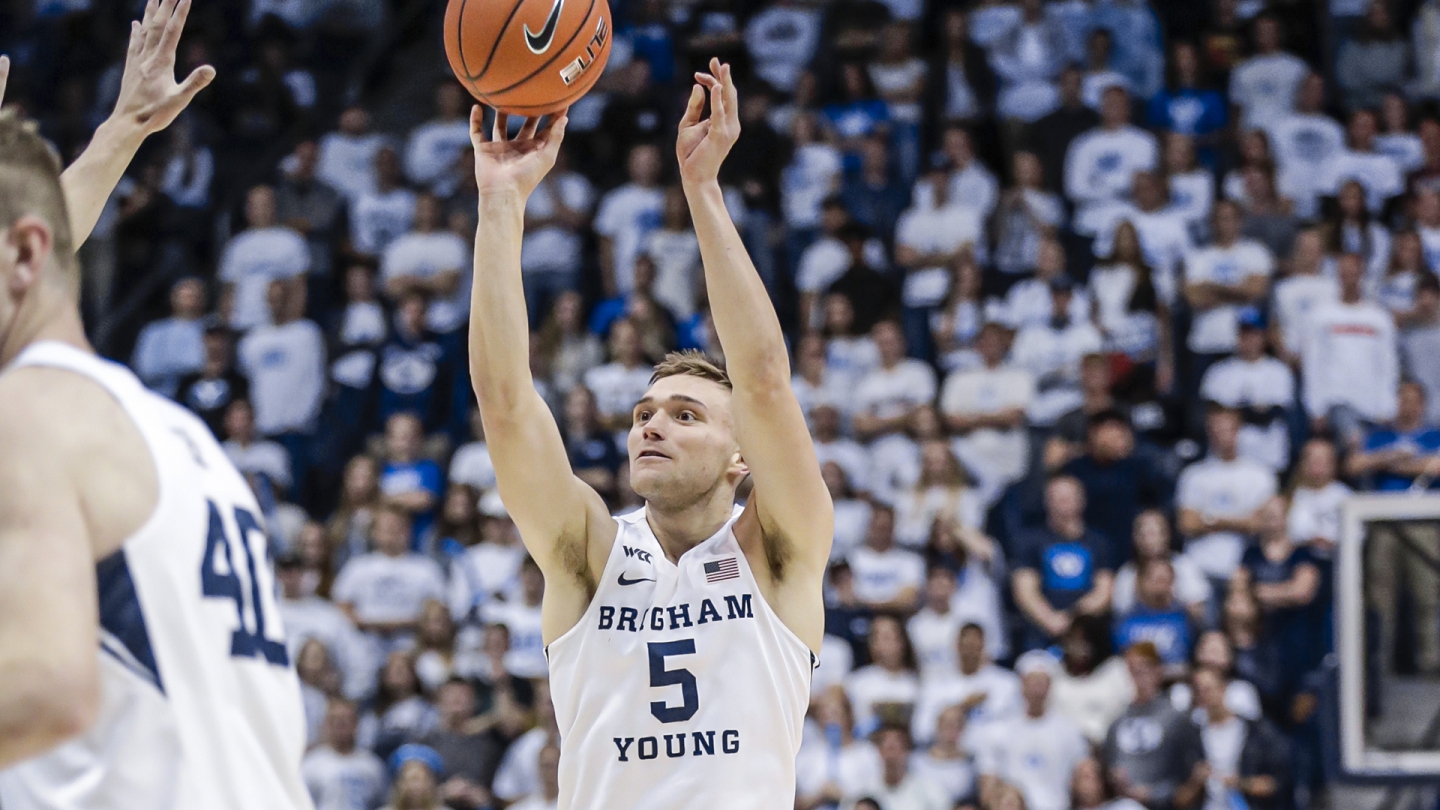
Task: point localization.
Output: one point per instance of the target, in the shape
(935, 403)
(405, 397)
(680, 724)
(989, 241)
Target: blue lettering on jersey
(213, 582)
(674, 617)
(700, 744)
(1068, 567)
(638, 553)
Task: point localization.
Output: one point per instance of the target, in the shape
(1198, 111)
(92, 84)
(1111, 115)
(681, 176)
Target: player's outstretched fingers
(693, 107)
(170, 40)
(154, 24)
(732, 97)
(477, 125)
(500, 133)
(529, 128)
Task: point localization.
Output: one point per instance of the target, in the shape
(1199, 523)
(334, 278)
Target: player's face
(682, 443)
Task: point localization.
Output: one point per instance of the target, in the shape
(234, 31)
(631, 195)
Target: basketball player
(142, 664)
(680, 637)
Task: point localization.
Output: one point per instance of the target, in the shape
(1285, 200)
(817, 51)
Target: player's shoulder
(40, 403)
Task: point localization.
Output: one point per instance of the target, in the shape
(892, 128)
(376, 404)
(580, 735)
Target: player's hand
(4, 76)
(503, 164)
(701, 146)
(150, 98)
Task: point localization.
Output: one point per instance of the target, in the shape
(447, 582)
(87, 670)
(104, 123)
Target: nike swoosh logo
(624, 581)
(540, 43)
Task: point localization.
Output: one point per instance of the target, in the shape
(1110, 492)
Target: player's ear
(30, 241)
(738, 465)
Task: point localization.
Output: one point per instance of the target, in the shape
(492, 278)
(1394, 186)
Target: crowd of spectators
(1099, 310)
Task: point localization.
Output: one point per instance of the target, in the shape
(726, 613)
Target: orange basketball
(528, 57)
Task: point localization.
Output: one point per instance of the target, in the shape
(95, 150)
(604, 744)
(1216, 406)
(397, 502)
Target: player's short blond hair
(690, 363)
(30, 184)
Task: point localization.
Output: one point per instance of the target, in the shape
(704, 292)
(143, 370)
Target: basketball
(528, 57)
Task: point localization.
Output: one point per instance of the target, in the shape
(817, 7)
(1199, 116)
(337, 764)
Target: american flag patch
(717, 570)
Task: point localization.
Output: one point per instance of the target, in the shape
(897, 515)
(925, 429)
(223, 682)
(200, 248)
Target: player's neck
(50, 318)
(680, 530)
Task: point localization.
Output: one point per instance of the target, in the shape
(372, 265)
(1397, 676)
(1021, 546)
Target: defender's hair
(690, 363)
(30, 184)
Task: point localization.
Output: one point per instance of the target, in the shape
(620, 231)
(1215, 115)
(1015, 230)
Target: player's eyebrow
(648, 400)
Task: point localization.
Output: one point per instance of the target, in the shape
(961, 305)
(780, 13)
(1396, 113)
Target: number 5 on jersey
(684, 678)
(243, 643)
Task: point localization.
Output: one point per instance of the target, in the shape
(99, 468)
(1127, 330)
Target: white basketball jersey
(679, 687)
(200, 706)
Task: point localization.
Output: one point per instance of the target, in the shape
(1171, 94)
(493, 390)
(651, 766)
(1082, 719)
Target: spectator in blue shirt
(858, 115)
(1286, 581)
(409, 481)
(1187, 107)
(174, 347)
(872, 195)
(1062, 569)
(1397, 456)
(1157, 617)
(415, 371)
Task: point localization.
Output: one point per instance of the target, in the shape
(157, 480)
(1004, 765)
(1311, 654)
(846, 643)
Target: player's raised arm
(557, 514)
(790, 498)
(149, 101)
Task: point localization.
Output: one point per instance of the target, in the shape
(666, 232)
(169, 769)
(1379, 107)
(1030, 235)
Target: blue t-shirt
(1168, 630)
(1425, 441)
(1187, 111)
(1067, 567)
(416, 475)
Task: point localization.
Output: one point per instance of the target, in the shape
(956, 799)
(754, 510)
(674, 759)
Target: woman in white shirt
(886, 689)
(852, 514)
(833, 763)
(1192, 187)
(1351, 229)
(945, 763)
(1254, 152)
(569, 349)
(943, 492)
(956, 326)
(1396, 290)
(1133, 318)
(1315, 499)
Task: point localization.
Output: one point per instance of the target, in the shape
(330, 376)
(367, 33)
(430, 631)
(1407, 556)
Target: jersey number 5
(660, 676)
(243, 643)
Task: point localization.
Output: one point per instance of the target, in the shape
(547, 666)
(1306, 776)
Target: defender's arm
(49, 664)
(791, 501)
(556, 513)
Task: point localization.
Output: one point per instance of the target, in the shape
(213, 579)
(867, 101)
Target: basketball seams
(495, 44)
(535, 83)
(555, 105)
(589, 12)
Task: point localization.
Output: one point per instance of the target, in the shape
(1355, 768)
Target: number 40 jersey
(200, 706)
(679, 687)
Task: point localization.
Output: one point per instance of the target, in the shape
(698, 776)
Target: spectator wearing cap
(339, 774)
(209, 391)
(1261, 388)
(1063, 568)
(1377, 173)
(1246, 759)
(928, 240)
(1349, 360)
(1119, 483)
(985, 407)
(266, 251)
(1100, 164)
(251, 455)
(416, 769)
(1157, 616)
(1051, 352)
(1219, 498)
(383, 213)
(469, 756)
(1153, 753)
(173, 347)
(1232, 271)
(985, 692)
(347, 155)
(307, 616)
(384, 591)
(887, 396)
(489, 569)
(899, 786)
(1028, 301)
(1036, 751)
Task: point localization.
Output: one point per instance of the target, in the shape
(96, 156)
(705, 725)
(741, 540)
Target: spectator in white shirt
(169, 349)
(252, 455)
(887, 396)
(970, 182)
(384, 592)
(1027, 58)
(985, 409)
(548, 796)
(308, 616)
(619, 384)
(489, 569)
(1304, 290)
(1350, 363)
(347, 156)
(627, 214)
(1028, 302)
(521, 617)
(1101, 163)
(900, 787)
(984, 691)
(1264, 86)
(1152, 542)
(432, 262)
(1261, 387)
(338, 774)
(1052, 352)
(837, 763)
(550, 255)
(886, 689)
(1163, 231)
(434, 147)
(1220, 498)
(929, 238)
(1303, 143)
(1232, 272)
(782, 40)
(384, 212)
(263, 253)
(1316, 498)
(886, 578)
(1037, 751)
(1376, 172)
(285, 361)
(1399, 141)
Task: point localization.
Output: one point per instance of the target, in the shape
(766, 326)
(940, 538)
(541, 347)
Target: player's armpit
(49, 668)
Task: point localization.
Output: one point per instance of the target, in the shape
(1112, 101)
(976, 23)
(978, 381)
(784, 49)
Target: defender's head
(682, 442)
(38, 269)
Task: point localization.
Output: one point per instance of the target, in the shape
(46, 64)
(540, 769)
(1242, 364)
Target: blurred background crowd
(1098, 310)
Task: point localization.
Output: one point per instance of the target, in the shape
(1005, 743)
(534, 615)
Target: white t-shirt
(434, 149)
(1264, 86)
(1030, 303)
(1217, 330)
(851, 768)
(1164, 239)
(1002, 700)
(264, 457)
(425, 256)
(1223, 744)
(837, 659)
(471, 465)
(377, 219)
(251, 261)
(870, 687)
(1303, 144)
(1265, 383)
(1191, 586)
(1316, 512)
(353, 781)
(286, 367)
(678, 272)
(1378, 173)
(1052, 356)
(992, 454)
(881, 575)
(626, 216)
(617, 388)
(1350, 357)
(519, 772)
(317, 618)
(555, 248)
(484, 572)
(1220, 489)
(1037, 755)
(782, 41)
(972, 187)
(389, 589)
(526, 656)
(1192, 196)
(936, 230)
(1100, 164)
(891, 392)
(347, 162)
(812, 175)
(1295, 298)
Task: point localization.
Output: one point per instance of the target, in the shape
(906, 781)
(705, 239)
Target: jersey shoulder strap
(113, 377)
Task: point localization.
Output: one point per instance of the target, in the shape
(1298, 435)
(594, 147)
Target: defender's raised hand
(519, 164)
(701, 146)
(150, 98)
